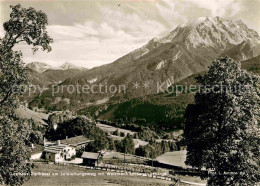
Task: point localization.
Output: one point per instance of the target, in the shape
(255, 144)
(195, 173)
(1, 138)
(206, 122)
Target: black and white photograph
(130, 92)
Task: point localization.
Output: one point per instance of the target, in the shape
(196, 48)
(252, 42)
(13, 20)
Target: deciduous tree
(221, 127)
(29, 26)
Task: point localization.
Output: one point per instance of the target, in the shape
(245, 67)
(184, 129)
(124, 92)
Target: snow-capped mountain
(42, 67)
(213, 32)
(205, 32)
(68, 65)
(44, 74)
(189, 49)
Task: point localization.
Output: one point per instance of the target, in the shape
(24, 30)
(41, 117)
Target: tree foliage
(128, 145)
(148, 151)
(147, 134)
(154, 149)
(24, 25)
(56, 118)
(29, 26)
(15, 137)
(77, 126)
(221, 127)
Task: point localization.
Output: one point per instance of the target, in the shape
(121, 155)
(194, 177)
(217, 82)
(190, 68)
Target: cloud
(217, 7)
(171, 13)
(93, 33)
(134, 23)
(168, 10)
(94, 43)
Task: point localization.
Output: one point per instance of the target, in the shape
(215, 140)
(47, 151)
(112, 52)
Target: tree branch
(6, 97)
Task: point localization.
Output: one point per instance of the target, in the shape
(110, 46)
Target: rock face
(188, 49)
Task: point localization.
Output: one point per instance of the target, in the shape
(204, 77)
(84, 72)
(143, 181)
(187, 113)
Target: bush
(147, 134)
(146, 151)
(156, 149)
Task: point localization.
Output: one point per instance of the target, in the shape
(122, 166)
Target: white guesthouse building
(59, 152)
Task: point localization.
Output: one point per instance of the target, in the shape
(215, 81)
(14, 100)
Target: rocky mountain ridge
(42, 67)
(189, 49)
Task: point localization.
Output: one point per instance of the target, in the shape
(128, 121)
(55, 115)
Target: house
(59, 152)
(78, 142)
(90, 158)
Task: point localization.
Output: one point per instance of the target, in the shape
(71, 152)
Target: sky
(91, 33)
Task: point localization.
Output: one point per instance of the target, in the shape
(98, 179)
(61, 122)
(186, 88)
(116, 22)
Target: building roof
(74, 141)
(37, 149)
(55, 148)
(90, 155)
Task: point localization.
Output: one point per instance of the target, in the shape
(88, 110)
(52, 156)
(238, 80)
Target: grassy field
(56, 175)
(111, 129)
(176, 158)
(26, 113)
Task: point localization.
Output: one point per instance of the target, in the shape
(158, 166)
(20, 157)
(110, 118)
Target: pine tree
(128, 145)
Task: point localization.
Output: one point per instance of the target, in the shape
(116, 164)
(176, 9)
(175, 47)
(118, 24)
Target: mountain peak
(188, 50)
(42, 67)
(67, 66)
(212, 32)
(205, 21)
(38, 66)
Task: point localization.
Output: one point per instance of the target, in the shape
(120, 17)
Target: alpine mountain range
(178, 56)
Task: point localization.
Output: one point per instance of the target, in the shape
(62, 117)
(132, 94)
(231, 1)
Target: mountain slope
(38, 66)
(242, 51)
(25, 113)
(44, 78)
(187, 50)
(166, 110)
(42, 67)
(51, 76)
(252, 65)
(43, 74)
(67, 66)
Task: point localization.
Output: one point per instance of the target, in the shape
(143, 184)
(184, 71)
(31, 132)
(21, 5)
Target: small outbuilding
(91, 158)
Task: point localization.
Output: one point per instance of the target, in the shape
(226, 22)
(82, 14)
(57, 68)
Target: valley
(127, 93)
(186, 51)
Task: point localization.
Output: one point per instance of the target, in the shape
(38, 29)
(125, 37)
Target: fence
(126, 171)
